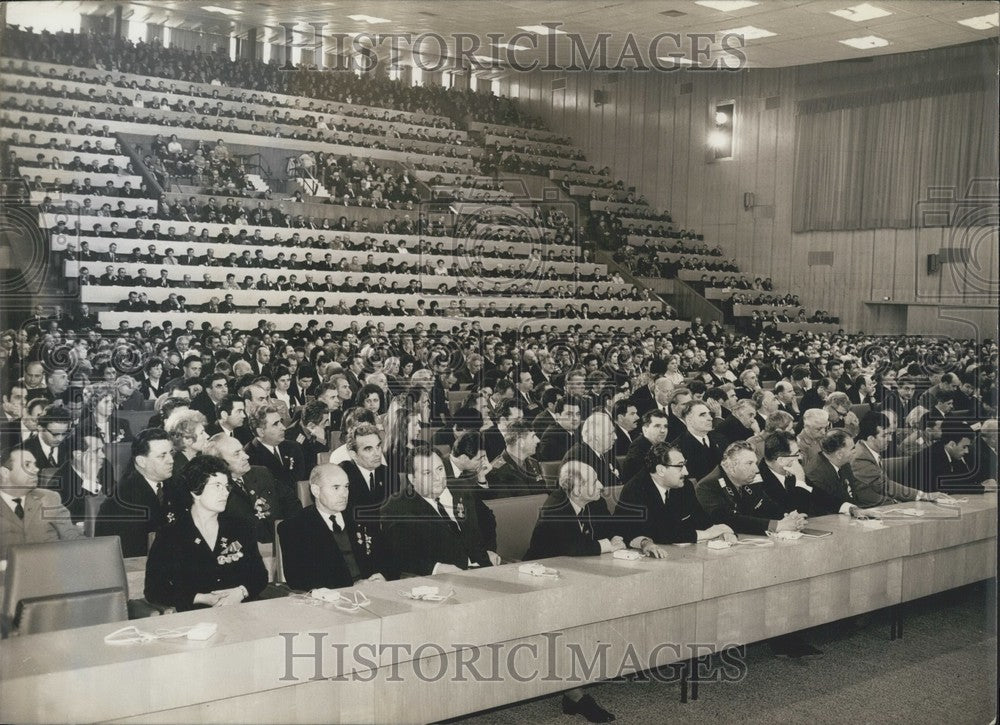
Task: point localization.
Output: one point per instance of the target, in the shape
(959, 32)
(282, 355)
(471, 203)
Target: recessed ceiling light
(673, 13)
(488, 60)
(726, 6)
(513, 46)
(749, 32)
(866, 43)
(859, 13)
(983, 22)
(542, 29)
(678, 61)
(368, 19)
(217, 9)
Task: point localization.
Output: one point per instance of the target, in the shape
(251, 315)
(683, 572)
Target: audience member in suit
(784, 391)
(815, 397)
(205, 558)
(15, 398)
(831, 477)
(985, 458)
(626, 417)
(597, 439)
(782, 475)
(505, 414)
(367, 477)
(99, 419)
(310, 432)
(727, 496)
(28, 514)
(208, 400)
(815, 424)
(516, 471)
(84, 475)
(643, 397)
(675, 401)
(139, 506)
(698, 443)
(429, 529)
(942, 465)
(524, 394)
(270, 449)
(51, 445)
(232, 420)
(654, 430)
(660, 503)
(741, 425)
(255, 495)
(873, 487)
(322, 546)
(558, 439)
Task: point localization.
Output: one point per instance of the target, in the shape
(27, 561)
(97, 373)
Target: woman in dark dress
(204, 559)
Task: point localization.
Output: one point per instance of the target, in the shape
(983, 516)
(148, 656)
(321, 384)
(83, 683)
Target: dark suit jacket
(415, 537)
(635, 459)
(72, 493)
(180, 564)
(831, 489)
(261, 501)
(132, 514)
(700, 460)
(554, 443)
(607, 470)
(558, 530)
(204, 405)
(784, 491)
(931, 470)
(364, 503)
(311, 557)
(642, 512)
(643, 400)
(623, 440)
(288, 471)
(731, 430)
(746, 510)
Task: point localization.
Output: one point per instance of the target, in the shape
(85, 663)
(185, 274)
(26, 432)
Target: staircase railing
(690, 304)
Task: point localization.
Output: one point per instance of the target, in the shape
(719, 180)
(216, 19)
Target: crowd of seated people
(211, 166)
(363, 182)
(102, 51)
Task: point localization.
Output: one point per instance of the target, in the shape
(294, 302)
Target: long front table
(399, 660)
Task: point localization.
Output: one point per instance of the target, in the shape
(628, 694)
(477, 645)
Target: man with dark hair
(50, 447)
(323, 546)
(29, 514)
(942, 465)
(84, 474)
(654, 430)
(782, 475)
(874, 488)
(597, 439)
(428, 528)
(310, 432)
(660, 502)
(465, 420)
(141, 501)
(283, 458)
(558, 439)
(516, 472)
(626, 417)
(215, 390)
(367, 475)
(232, 420)
(832, 479)
(698, 442)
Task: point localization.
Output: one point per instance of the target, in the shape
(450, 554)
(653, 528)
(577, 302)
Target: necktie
(584, 519)
(239, 483)
(18, 508)
(371, 481)
(444, 514)
(337, 528)
(159, 492)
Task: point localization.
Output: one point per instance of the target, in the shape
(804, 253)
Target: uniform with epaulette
(510, 477)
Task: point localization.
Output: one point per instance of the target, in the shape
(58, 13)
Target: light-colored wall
(652, 134)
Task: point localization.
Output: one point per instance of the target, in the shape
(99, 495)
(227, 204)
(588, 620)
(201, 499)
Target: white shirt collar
(876, 456)
(325, 515)
(90, 485)
(9, 500)
(662, 489)
(446, 500)
(576, 509)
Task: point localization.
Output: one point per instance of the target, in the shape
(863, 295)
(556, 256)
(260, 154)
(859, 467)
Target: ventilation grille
(771, 103)
(820, 259)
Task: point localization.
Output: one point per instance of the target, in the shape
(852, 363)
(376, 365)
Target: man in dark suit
(516, 471)
(597, 439)
(50, 447)
(643, 397)
(367, 477)
(429, 529)
(942, 465)
(740, 425)
(782, 475)
(283, 458)
(626, 417)
(660, 502)
(558, 439)
(322, 546)
(139, 506)
(232, 420)
(29, 514)
(83, 475)
(654, 430)
(698, 442)
(255, 495)
(832, 480)
(216, 388)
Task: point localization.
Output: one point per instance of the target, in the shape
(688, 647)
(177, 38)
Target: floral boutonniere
(261, 508)
(230, 552)
(459, 510)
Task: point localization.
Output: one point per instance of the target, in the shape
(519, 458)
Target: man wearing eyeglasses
(815, 424)
(660, 503)
(49, 447)
(782, 475)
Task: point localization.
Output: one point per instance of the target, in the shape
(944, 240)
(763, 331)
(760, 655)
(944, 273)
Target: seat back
(119, 454)
(91, 506)
(305, 495)
(277, 565)
(612, 493)
(64, 584)
(138, 420)
(550, 472)
(516, 516)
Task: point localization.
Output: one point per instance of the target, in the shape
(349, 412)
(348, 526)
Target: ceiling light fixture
(866, 43)
(223, 11)
(860, 13)
(542, 30)
(726, 6)
(983, 22)
(749, 32)
(371, 20)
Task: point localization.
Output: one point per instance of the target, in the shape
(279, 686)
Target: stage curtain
(866, 160)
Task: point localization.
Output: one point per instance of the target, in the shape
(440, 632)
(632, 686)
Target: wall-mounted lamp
(720, 135)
